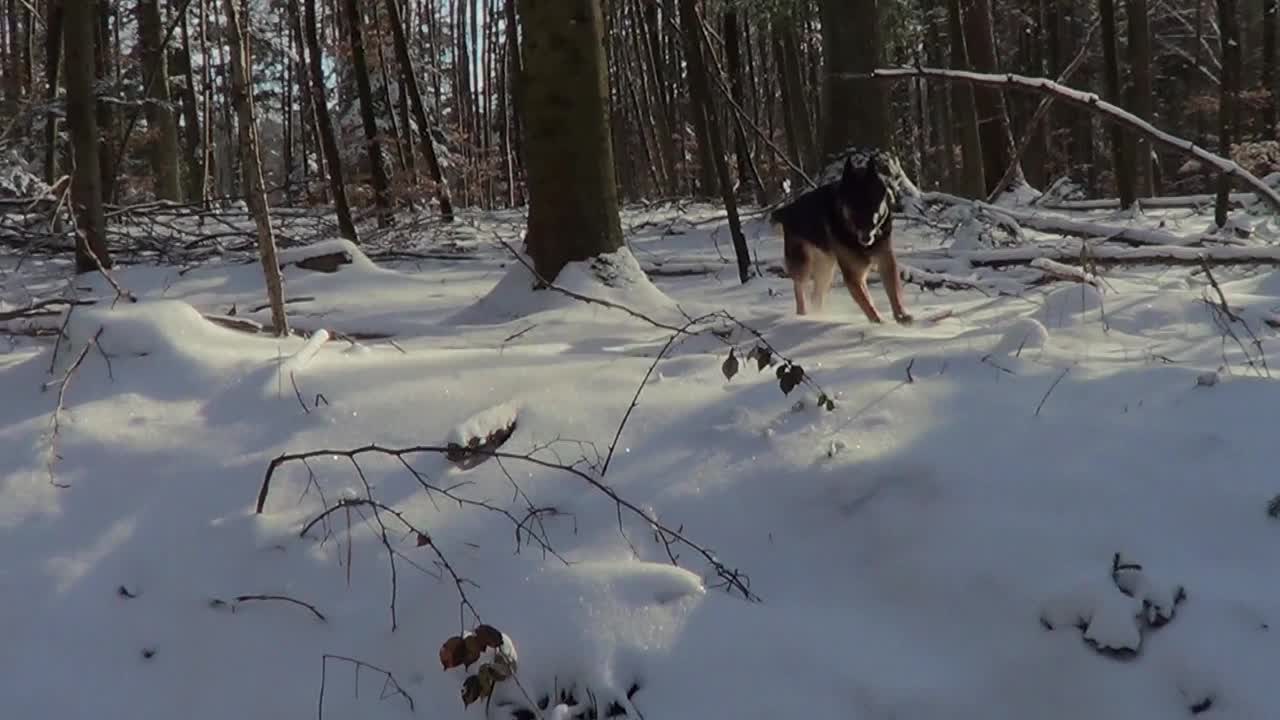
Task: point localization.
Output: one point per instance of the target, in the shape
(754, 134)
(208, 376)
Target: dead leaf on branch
(730, 366)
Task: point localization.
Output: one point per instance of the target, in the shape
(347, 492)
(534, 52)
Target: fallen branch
(284, 598)
(57, 409)
(1225, 317)
(1089, 101)
(1166, 202)
(1067, 226)
(1106, 255)
(732, 578)
(388, 682)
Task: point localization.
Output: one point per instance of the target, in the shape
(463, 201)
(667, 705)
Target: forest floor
(1051, 497)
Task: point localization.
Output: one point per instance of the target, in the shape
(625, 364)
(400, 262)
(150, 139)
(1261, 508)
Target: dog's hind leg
(824, 270)
(855, 271)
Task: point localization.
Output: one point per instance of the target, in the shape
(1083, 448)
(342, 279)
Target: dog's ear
(851, 172)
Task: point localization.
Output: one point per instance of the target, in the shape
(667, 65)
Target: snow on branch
(1083, 99)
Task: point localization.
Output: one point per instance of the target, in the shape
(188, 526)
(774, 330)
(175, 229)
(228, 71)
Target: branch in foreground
(389, 681)
(732, 579)
(1089, 101)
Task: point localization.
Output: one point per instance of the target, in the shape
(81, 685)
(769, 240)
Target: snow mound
(1022, 334)
(168, 328)
(347, 251)
(1065, 305)
(641, 584)
(614, 277)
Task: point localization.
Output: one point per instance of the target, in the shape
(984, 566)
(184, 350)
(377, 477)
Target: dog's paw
(905, 318)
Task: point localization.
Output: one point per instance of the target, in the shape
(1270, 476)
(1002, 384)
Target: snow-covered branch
(1083, 99)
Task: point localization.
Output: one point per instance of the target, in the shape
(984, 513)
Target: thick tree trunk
(251, 166)
(368, 116)
(410, 82)
(1142, 103)
(854, 112)
(573, 199)
(993, 117)
(324, 126)
(972, 180)
(162, 126)
(1122, 165)
(700, 95)
(82, 123)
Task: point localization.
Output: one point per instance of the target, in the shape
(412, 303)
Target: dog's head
(865, 201)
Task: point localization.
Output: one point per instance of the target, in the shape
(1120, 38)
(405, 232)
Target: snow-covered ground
(1046, 499)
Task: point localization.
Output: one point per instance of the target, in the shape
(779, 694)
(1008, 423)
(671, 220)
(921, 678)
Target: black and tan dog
(849, 224)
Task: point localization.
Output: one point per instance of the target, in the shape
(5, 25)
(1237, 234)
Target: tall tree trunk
(324, 126)
(993, 117)
(368, 116)
(82, 124)
(854, 112)
(733, 62)
(106, 112)
(410, 82)
(191, 115)
(1143, 102)
(162, 126)
(573, 199)
(972, 179)
(700, 96)
(1228, 112)
(207, 161)
(251, 166)
(52, 56)
(1121, 163)
(795, 127)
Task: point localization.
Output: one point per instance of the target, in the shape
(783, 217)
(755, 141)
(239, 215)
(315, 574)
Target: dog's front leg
(888, 267)
(855, 278)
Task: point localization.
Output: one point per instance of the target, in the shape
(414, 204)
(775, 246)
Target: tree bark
(53, 55)
(700, 95)
(1270, 16)
(106, 112)
(972, 180)
(368, 116)
(573, 199)
(251, 167)
(1120, 161)
(1228, 24)
(733, 61)
(409, 80)
(854, 112)
(993, 117)
(191, 116)
(324, 126)
(1142, 103)
(82, 124)
(162, 126)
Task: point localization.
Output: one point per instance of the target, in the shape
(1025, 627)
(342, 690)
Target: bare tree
(1229, 98)
(573, 198)
(1120, 161)
(854, 112)
(161, 124)
(409, 80)
(1142, 102)
(324, 124)
(368, 118)
(82, 122)
(251, 166)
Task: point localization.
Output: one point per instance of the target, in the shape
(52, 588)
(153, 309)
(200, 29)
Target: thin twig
(285, 598)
